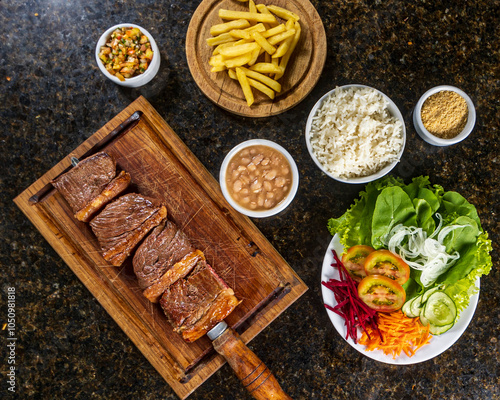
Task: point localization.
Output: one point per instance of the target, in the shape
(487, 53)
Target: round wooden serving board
(302, 73)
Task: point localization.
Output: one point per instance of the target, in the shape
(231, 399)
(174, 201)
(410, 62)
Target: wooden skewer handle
(251, 371)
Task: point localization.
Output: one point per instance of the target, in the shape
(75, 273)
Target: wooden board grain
(162, 166)
(302, 73)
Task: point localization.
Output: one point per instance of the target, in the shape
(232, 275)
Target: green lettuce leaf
(392, 207)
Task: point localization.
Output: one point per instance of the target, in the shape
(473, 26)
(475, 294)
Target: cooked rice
(353, 134)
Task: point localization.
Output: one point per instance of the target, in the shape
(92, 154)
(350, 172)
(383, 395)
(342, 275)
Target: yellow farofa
(254, 47)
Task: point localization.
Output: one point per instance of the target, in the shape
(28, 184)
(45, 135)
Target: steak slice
(113, 189)
(124, 223)
(177, 271)
(165, 246)
(85, 183)
(196, 304)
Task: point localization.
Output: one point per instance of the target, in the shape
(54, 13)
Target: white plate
(437, 345)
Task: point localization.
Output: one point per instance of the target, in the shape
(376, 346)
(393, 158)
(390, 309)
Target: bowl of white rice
(355, 134)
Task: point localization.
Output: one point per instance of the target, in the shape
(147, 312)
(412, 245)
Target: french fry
(273, 40)
(274, 31)
(226, 27)
(240, 34)
(245, 86)
(266, 68)
(255, 17)
(283, 48)
(238, 61)
(284, 60)
(235, 51)
(255, 56)
(261, 87)
(262, 41)
(217, 61)
(220, 39)
(276, 86)
(290, 24)
(229, 44)
(263, 10)
(251, 7)
(256, 28)
(256, 84)
(218, 69)
(283, 13)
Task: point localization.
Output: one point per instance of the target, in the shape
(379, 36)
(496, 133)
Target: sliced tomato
(381, 293)
(354, 261)
(386, 263)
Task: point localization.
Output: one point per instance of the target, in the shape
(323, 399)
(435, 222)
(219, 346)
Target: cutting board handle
(251, 371)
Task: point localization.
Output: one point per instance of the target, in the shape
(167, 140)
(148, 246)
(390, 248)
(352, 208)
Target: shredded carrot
(397, 333)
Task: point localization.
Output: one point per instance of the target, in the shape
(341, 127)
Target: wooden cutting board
(301, 75)
(162, 166)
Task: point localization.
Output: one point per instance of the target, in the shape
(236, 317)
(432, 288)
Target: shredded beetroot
(349, 305)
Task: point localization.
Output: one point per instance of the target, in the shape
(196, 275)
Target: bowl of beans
(128, 55)
(259, 178)
(444, 115)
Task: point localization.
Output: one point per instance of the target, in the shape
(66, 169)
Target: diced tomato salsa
(127, 53)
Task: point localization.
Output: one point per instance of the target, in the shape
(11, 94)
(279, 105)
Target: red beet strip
(349, 305)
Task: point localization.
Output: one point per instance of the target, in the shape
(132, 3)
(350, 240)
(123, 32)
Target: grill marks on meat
(91, 185)
(124, 223)
(196, 304)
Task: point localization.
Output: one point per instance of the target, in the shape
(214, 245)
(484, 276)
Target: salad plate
(437, 345)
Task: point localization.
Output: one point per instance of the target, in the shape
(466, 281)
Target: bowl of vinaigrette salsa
(128, 55)
(259, 178)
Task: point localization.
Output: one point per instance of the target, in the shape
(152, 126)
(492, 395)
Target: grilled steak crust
(113, 189)
(194, 305)
(177, 271)
(81, 184)
(165, 246)
(124, 223)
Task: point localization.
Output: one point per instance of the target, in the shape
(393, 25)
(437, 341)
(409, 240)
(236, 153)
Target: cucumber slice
(416, 306)
(406, 308)
(438, 330)
(427, 293)
(423, 320)
(407, 305)
(440, 309)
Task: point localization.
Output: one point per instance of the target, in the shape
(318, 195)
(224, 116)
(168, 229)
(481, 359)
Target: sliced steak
(124, 223)
(196, 304)
(83, 184)
(113, 189)
(165, 246)
(177, 271)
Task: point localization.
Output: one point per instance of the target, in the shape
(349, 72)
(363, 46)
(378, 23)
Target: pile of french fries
(254, 47)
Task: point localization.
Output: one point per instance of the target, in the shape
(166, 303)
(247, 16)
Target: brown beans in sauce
(258, 177)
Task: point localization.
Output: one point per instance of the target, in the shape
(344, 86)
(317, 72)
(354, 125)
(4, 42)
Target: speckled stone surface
(54, 97)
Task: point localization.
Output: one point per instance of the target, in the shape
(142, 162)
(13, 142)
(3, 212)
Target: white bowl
(393, 110)
(280, 206)
(136, 81)
(429, 137)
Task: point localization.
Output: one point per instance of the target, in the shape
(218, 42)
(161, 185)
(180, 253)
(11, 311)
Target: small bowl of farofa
(444, 115)
(355, 134)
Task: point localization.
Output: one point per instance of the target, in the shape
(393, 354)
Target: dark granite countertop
(54, 97)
